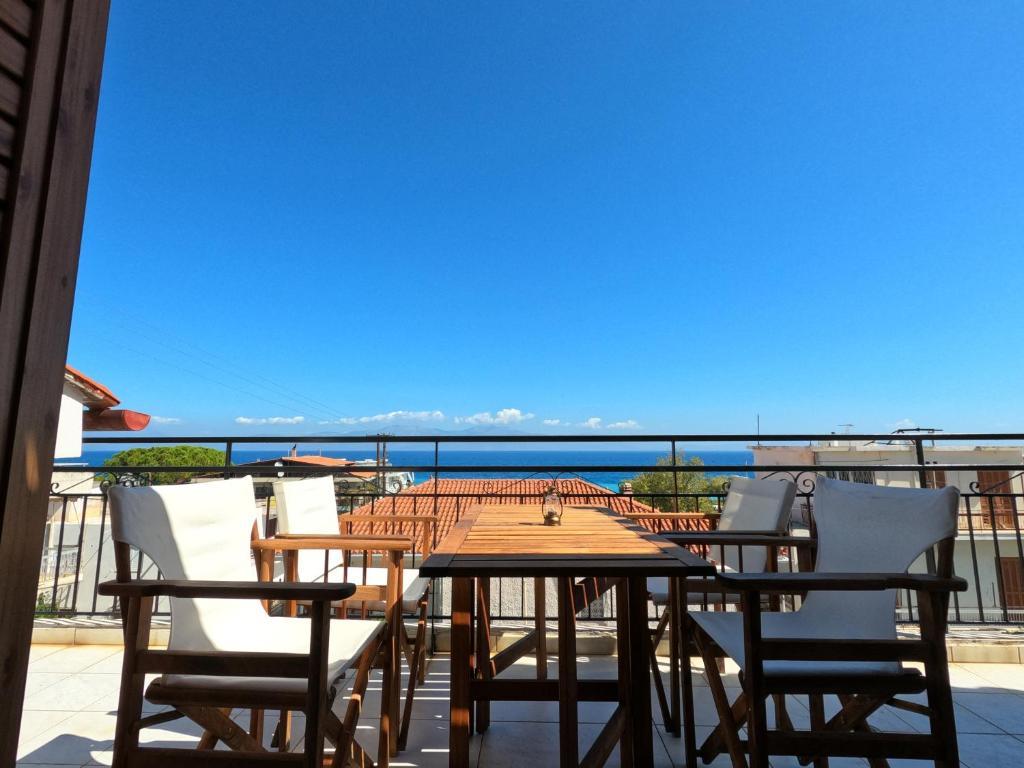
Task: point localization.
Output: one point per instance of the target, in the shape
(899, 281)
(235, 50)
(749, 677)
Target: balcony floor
(71, 703)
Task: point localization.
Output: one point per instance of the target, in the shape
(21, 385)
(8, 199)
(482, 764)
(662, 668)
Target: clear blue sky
(677, 215)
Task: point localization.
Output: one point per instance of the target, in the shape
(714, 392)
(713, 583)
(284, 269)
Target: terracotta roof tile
(455, 495)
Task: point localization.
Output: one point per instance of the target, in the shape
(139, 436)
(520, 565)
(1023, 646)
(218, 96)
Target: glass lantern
(552, 506)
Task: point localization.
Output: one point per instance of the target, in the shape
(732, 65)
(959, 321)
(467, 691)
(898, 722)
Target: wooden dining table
(592, 551)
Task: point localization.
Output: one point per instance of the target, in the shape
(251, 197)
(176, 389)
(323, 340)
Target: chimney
(626, 488)
(294, 451)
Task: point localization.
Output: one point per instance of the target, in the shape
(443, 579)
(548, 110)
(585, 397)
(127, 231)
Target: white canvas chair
(843, 638)
(308, 507)
(225, 651)
(755, 511)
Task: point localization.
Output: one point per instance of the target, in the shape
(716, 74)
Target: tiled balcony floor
(72, 699)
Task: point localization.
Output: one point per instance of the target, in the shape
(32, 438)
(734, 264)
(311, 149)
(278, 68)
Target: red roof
(455, 496)
(315, 461)
(94, 395)
(100, 402)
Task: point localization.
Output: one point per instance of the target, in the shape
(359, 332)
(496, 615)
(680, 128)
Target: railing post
(675, 481)
(228, 450)
(922, 480)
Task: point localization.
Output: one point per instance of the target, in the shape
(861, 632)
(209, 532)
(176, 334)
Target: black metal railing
(989, 553)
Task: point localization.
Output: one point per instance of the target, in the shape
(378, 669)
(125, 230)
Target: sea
(507, 460)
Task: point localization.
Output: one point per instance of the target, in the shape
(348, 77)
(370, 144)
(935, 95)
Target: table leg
(567, 712)
(461, 674)
(540, 602)
(622, 642)
(483, 649)
(640, 679)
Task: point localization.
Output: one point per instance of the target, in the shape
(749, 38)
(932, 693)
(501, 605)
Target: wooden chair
(307, 508)
(225, 651)
(843, 638)
(745, 537)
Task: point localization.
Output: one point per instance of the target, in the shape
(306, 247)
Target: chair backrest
(755, 505)
(195, 532)
(308, 506)
(872, 529)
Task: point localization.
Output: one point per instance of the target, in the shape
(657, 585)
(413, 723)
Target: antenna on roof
(759, 429)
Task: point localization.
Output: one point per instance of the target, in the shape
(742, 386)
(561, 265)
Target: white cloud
(504, 416)
(165, 420)
(552, 422)
(390, 416)
(249, 420)
(594, 422)
(627, 424)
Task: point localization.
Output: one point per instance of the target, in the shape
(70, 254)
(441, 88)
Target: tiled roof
(456, 495)
(94, 394)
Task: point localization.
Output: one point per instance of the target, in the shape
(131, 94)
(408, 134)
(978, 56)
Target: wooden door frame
(43, 208)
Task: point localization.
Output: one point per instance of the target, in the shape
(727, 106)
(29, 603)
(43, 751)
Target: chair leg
(816, 704)
(416, 676)
(343, 733)
(932, 608)
(731, 718)
(689, 720)
(421, 639)
(219, 722)
(283, 734)
(138, 611)
(256, 725)
(659, 689)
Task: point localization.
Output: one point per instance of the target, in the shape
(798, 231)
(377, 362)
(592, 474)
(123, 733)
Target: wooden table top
(512, 540)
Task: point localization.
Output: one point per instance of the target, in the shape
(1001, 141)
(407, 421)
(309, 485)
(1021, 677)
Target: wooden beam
(44, 207)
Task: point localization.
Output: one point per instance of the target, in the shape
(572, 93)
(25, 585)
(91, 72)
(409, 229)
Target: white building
(989, 551)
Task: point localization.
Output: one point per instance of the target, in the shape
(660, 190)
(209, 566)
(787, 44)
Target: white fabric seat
(201, 532)
(726, 629)
(752, 505)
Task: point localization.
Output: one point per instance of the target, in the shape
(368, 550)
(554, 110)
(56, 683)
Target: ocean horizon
(508, 460)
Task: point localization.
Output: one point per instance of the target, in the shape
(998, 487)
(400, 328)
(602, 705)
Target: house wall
(69, 427)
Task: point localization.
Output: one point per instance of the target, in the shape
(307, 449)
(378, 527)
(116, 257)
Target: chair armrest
(284, 542)
(726, 538)
(384, 517)
(232, 590)
(671, 515)
(839, 582)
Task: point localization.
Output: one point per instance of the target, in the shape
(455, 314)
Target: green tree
(690, 481)
(168, 456)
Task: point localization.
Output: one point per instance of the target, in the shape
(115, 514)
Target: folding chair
(842, 640)
(225, 651)
(307, 508)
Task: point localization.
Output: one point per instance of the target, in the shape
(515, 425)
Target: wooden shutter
(1004, 508)
(1012, 571)
(935, 478)
(51, 54)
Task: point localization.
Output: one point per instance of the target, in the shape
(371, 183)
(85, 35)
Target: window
(1012, 571)
(1003, 508)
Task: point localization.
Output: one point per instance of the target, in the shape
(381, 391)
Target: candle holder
(552, 506)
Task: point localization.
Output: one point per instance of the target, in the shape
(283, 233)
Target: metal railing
(989, 551)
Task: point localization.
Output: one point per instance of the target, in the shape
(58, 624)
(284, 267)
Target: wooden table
(592, 542)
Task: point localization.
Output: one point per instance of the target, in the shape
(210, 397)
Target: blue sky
(670, 217)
